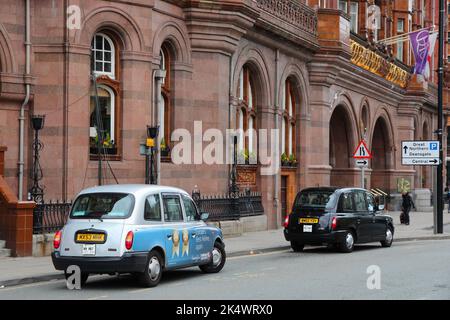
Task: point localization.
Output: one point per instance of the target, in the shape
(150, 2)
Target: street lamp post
(36, 191)
(150, 175)
(439, 180)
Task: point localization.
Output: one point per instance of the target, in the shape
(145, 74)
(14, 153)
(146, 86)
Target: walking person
(407, 203)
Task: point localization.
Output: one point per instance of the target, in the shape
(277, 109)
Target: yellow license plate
(308, 220)
(90, 237)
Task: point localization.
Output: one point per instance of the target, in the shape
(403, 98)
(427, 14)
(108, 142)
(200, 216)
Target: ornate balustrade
(293, 12)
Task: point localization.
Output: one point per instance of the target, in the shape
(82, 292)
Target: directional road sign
(362, 163)
(362, 152)
(420, 153)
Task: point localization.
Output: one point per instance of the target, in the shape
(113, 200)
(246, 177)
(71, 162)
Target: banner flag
(420, 44)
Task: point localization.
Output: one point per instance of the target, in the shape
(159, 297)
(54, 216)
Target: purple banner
(420, 43)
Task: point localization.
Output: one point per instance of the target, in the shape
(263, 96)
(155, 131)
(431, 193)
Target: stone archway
(381, 162)
(342, 143)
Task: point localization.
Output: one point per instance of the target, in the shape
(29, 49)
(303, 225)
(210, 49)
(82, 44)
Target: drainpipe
(159, 76)
(277, 120)
(27, 98)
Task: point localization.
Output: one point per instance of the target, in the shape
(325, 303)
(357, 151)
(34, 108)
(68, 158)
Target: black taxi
(340, 217)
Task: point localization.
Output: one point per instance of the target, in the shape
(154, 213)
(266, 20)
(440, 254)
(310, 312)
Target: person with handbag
(407, 203)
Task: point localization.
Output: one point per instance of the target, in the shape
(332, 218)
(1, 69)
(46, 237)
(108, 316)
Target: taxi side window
(172, 208)
(370, 203)
(190, 209)
(360, 202)
(152, 211)
(347, 202)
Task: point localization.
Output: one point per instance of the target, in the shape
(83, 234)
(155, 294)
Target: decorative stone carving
(293, 12)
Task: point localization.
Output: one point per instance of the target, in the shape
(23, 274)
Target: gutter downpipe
(27, 98)
(277, 120)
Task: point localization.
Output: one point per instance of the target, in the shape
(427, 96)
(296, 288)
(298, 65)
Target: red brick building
(310, 68)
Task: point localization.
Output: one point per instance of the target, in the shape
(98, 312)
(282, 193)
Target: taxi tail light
(57, 239)
(286, 221)
(129, 240)
(333, 223)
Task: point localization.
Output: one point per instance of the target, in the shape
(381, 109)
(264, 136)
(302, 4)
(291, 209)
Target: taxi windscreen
(103, 206)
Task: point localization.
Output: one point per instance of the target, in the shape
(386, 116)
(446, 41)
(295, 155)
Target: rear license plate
(308, 220)
(88, 249)
(307, 228)
(90, 237)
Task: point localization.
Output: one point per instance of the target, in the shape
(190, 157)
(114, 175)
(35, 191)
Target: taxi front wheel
(153, 271)
(218, 259)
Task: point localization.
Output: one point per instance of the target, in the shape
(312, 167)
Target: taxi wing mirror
(204, 216)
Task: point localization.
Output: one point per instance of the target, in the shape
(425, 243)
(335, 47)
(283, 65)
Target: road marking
(99, 297)
(140, 290)
(258, 254)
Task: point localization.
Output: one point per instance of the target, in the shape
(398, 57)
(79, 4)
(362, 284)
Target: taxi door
(199, 235)
(176, 232)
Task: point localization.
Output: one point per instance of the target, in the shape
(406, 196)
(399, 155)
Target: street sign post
(362, 155)
(420, 153)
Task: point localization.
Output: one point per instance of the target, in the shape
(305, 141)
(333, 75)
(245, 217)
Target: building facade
(311, 69)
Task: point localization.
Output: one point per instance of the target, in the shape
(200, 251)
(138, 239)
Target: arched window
(105, 67)
(246, 113)
(289, 123)
(103, 55)
(166, 97)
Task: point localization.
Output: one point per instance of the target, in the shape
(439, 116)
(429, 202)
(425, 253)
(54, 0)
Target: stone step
(5, 253)
(2, 244)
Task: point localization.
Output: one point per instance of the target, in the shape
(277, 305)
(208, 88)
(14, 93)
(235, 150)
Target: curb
(30, 280)
(60, 276)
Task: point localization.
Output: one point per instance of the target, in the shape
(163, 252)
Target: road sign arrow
(434, 161)
(406, 149)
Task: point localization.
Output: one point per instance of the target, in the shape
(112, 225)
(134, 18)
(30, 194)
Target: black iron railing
(50, 217)
(222, 207)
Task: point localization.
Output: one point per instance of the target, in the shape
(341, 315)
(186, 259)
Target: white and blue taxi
(138, 229)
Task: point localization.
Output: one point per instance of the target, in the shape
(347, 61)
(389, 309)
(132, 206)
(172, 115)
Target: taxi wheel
(348, 242)
(297, 247)
(153, 271)
(84, 277)
(218, 259)
(389, 238)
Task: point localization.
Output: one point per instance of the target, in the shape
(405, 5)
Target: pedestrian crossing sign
(362, 152)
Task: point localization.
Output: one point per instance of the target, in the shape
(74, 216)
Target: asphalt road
(408, 270)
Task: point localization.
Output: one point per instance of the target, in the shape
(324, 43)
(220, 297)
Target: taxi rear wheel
(348, 242)
(218, 259)
(153, 271)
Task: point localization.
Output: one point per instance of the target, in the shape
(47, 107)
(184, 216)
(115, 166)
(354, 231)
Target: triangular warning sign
(362, 152)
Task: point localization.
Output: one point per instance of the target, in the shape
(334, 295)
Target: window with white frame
(354, 16)
(105, 119)
(246, 113)
(400, 25)
(103, 55)
(352, 9)
(288, 124)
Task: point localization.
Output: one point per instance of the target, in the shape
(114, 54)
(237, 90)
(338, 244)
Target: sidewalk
(15, 271)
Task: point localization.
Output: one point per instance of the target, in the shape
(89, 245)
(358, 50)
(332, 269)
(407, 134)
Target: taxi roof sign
(362, 152)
